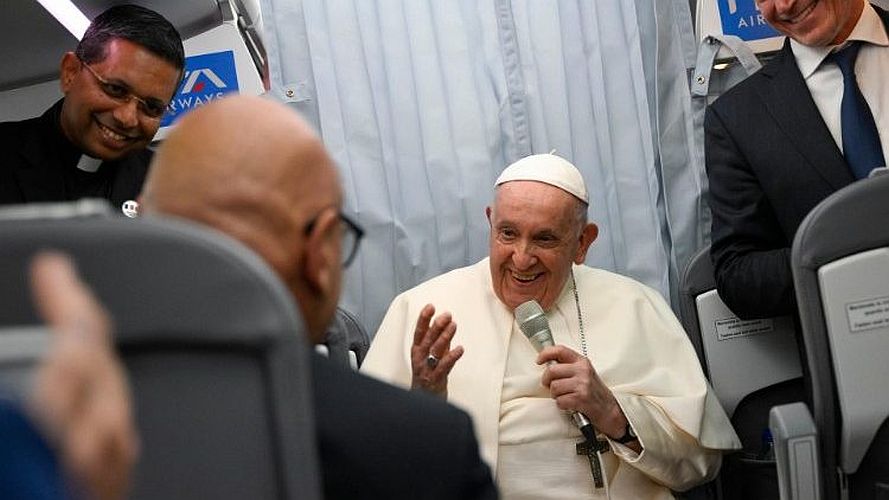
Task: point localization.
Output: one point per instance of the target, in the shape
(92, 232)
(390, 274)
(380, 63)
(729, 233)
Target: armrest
(796, 452)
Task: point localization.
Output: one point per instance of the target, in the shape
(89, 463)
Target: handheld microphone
(533, 323)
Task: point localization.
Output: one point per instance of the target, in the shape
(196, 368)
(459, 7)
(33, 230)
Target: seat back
(840, 263)
(212, 345)
(752, 365)
(346, 341)
(739, 356)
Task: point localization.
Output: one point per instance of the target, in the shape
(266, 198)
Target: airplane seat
(212, 344)
(347, 341)
(752, 365)
(86, 207)
(840, 262)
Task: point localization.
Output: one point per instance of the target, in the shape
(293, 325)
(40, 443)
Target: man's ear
(68, 69)
(322, 253)
(488, 214)
(587, 237)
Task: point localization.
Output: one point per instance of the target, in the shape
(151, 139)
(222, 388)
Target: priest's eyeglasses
(352, 234)
(151, 108)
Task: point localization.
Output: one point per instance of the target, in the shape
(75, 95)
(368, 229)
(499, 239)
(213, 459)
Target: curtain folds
(423, 103)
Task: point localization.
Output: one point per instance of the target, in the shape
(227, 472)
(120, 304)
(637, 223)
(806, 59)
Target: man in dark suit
(92, 143)
(254, 170)
(774, 150)
(774, 145)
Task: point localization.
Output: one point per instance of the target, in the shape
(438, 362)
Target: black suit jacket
(770, 159)
(37, 163)
(377, 441)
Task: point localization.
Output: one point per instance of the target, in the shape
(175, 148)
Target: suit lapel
(790, 103)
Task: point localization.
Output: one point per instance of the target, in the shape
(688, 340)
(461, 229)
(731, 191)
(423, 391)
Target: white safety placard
(868, 314)
(734, 327)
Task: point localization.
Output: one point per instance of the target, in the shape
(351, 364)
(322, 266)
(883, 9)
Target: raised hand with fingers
(81, 398)
(432, 357)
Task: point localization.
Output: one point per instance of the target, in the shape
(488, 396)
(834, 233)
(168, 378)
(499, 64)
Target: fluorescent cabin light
(68, 14)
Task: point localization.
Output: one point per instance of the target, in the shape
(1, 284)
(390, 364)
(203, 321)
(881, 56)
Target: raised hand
(81, 399)
(432, 357)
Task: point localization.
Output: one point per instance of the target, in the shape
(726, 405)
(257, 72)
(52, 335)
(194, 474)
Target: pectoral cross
(592, 450)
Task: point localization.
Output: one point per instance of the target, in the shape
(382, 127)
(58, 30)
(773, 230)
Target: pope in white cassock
(621, 358)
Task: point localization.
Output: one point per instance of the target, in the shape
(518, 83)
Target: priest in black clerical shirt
(92, 143)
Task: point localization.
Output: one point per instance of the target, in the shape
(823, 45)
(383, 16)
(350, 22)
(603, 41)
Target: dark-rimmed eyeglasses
(352, 234)
(151, 108)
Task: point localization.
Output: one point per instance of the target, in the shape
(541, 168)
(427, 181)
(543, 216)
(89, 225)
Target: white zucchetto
(548, 169)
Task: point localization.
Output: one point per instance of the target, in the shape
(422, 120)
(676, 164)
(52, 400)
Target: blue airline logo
(207, 77)
(743, 19)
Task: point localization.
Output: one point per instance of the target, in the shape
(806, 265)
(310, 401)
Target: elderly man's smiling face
(536, 234)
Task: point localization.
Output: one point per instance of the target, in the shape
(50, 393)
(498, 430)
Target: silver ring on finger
(432, 361)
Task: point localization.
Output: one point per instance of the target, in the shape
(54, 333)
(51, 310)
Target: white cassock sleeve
(669, 456)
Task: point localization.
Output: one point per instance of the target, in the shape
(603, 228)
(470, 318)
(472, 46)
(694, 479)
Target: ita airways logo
(743, 19)
(207, 77)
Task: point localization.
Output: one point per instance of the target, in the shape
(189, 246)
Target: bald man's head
(252, 168)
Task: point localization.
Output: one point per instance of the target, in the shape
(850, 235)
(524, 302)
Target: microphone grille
(531, 318)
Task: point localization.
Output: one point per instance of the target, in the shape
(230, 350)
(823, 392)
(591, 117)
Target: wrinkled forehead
(533, 201)
(536, 193)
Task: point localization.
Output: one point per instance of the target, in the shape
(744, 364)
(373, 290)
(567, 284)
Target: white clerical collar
(869, 28)
(88, 163)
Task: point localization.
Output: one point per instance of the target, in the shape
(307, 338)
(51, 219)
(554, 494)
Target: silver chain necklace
(579, 316)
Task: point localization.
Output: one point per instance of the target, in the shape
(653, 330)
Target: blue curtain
(423, 102)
